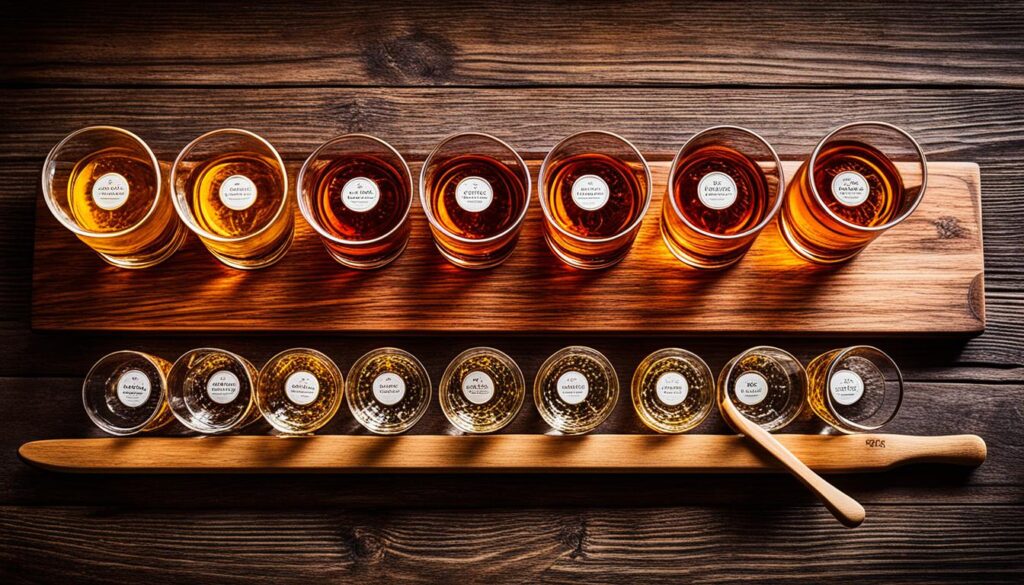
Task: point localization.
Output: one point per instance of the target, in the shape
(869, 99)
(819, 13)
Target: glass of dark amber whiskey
(595, 188)
(104, 184)
(725, 185)
(230, 188)
(861, 180)
(356, 192)
(475, 190)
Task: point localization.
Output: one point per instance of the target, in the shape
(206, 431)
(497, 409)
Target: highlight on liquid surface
(594, 195)
(476, 197)
(360, 197)
(235, 194)
(720, 190)
(858, 183)
(111, 190)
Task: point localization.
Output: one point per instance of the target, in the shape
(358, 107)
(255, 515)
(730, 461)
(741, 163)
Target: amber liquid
(503, 379)
(751, 204)
(503, 211)
(213, 214)
(343, 222)
(392, 416)
(207, 411)
(288, 415)
(627, 196)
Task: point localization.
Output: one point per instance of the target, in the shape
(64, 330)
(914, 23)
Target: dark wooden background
(530, 73)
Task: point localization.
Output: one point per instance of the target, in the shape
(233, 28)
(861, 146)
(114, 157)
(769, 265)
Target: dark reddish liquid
(627, 195)
(507, 187)
(751, 202)
(348, 224)
(886, 195)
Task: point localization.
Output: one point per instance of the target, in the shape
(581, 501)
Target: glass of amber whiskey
(766, 384)
(125, 393)
(482, 390)
(388, 391)
(861, 180)
(230, 188)
(475, 190)
(855, 389)
(356, 192)
(595, 188)
(299, 390)
(673, 390)
(105, 185)
(576, 390)
(725, 185)
(212, 391)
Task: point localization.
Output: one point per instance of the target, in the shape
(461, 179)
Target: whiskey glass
(475, 190)
(212, 391)
(861, 180)
(125, 393)
(725, 185)
(356, 192)
(230, 188)
(855, 389)
(595, 188)
(767, 385)
(388, 391)
(482, 390)
(575, 390)
(105, 185)
(299, 391)
(673, 390)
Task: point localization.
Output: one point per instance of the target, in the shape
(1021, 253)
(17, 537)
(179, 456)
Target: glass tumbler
(125, 393)
(213, 391)
(230, 188)
(855, 389)
(105, 185)
(766, 384)
(861, 180)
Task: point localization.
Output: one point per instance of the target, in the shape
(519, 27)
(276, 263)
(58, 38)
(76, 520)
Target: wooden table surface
(530, 73)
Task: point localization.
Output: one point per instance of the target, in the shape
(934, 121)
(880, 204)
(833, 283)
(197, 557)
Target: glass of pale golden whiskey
(213, 391)
(766, 384)
(475, 190)
(861, 180)
(230, 188)
(106, 186)
(299, 391)
(595, 188)
(125, 393)
(575, 390)
(725, 185)
(482, 390)
(388, 391)
(356, 192)
(855, 389)
(673, 390)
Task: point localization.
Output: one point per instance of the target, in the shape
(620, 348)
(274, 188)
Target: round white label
(717, 190)
(223, 387)
(388, 388)
(133, 388)
(573, 387)
(474, 194)
(672, 388)
(302, 388)
(590, 192)
(478, 387)
(110, 191)
(846, 386)
(751, 388)
(850, 188)
(238, 192)
(360, 194)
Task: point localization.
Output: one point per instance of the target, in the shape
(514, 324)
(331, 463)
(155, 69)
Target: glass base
(692, 262)
(137, 262)
(262, 262)
(348, 262)
(575, 262)
(806, 254)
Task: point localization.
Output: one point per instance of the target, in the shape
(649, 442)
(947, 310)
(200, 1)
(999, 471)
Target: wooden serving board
(922, 277)
(493, 453)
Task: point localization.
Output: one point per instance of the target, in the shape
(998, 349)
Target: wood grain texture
(938, 273)
(522, 43)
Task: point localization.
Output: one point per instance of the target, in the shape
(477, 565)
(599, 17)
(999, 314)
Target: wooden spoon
(843, 507)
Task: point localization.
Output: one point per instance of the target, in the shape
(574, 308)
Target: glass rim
(187, 216)
(62, 217)
(361, 361)
(828, 395)
(543, 189)
(242, 416)
(802, 374)
(517, 224)
(896, 220)
(308, 214)
(772, 213)
(517, 373)
(153, 416)
(327, 416)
